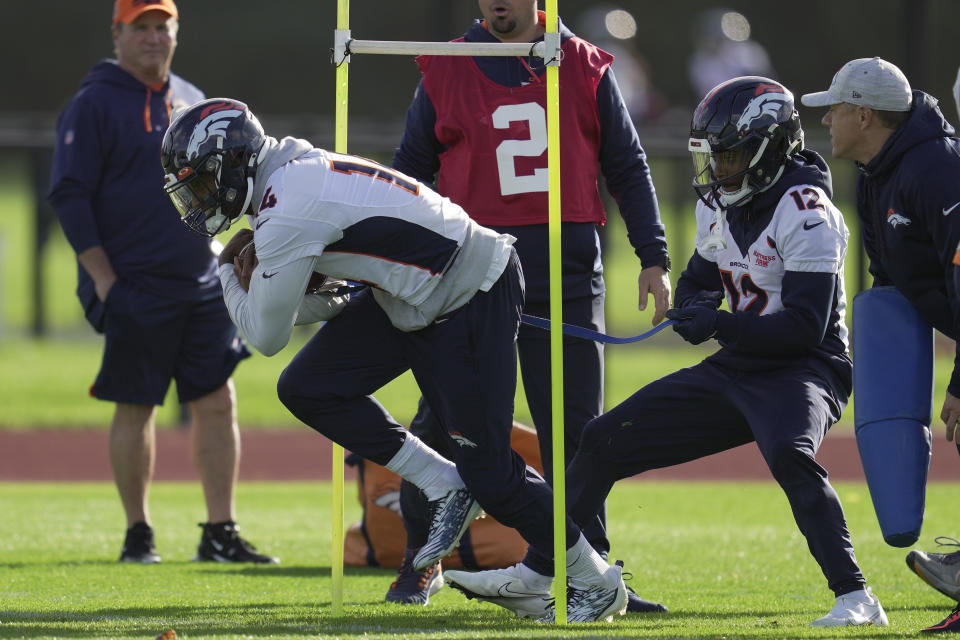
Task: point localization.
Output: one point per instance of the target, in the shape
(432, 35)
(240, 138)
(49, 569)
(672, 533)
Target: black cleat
(636, 604)
(138, 545)
(412, 586)
(221, 542)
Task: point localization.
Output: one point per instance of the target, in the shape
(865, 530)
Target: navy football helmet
(741, 136)
(210, 156)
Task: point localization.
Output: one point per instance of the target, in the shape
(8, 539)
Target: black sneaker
(138, 545)
(221, 542)
(412, 586)
(636, 604)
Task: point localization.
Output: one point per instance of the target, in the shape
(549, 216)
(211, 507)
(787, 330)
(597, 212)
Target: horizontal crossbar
(446, 48)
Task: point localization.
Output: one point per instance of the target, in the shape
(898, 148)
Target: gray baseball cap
(868, 82)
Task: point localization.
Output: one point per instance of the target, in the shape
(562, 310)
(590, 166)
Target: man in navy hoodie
(477, 130)
(908, 201)
(147, 283)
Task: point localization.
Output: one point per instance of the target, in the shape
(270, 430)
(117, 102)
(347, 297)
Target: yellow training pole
(336, 464)
(556, 328)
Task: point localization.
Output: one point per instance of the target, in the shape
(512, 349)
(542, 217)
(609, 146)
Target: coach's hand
(950, 414)
(655, 281)
(695, 323)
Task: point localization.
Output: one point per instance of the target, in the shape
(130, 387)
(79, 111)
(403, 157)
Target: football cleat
(950, 624)
(138, 545)
(597, 601)
(449, 517)
(853, 609)
(503, 587)
(636, 604)
(221, 542)
(412, 586)
(940, 570)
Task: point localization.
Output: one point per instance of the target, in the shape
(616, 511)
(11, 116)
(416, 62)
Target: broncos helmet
(210, 156)
(742, 133)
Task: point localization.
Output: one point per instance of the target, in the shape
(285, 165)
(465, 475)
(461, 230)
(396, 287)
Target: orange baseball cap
(126, 11)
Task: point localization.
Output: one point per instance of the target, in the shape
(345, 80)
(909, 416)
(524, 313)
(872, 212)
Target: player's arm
(267, 312)
(418, 155)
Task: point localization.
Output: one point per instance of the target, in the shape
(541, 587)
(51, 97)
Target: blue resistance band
(590, 334)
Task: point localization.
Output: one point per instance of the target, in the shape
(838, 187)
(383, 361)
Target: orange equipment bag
(379, 539)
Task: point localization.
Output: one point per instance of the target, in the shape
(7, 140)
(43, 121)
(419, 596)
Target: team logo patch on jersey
(894, 219)
(462, 440)
(762, 260)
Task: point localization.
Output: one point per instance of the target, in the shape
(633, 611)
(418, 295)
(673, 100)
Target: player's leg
(790, 411)
(466, 367)
(329, 385)
(412, 586)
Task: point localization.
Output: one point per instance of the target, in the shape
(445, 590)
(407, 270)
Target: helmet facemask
(203, 198)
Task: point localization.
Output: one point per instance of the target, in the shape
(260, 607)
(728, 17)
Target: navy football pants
(466, 369)
(708, 408)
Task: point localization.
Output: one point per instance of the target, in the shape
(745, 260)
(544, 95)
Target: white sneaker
(449, 518)
(503, 587)
(854, 609)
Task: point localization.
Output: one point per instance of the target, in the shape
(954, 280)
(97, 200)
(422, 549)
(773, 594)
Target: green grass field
(725, 558)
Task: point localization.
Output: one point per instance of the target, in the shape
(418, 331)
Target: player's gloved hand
(712, 299)
(695, 323)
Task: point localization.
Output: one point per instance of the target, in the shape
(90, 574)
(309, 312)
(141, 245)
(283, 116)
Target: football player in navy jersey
(772, 242)
(477, 130)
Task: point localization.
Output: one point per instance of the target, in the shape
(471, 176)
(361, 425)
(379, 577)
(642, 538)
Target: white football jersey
(807, 233)
(361, 221)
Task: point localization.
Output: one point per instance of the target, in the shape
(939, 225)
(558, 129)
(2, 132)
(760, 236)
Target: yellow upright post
(336, 465)
(556, 318)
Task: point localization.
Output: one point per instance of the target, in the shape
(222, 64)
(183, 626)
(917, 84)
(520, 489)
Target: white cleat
(854, 609)
(503, 587)
(597, 601)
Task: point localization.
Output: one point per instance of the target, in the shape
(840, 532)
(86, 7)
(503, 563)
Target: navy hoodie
(106, 185)
(622, 162)
(907, 200)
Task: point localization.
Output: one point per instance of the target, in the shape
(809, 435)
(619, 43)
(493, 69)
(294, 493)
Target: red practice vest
(495, 165)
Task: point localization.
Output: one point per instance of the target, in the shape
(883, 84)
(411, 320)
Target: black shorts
(151, 340)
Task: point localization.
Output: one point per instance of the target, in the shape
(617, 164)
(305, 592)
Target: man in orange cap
(147, 283)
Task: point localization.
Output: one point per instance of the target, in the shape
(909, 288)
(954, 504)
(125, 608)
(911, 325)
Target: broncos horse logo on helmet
(210, 155)
(750, 121)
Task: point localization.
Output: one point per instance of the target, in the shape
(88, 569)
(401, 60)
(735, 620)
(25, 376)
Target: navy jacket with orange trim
(107, 184)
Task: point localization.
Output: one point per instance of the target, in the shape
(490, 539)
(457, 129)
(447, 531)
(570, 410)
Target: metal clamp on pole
(552, 54)
(341, 47)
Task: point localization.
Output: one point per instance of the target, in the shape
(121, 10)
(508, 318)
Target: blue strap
(590, 334)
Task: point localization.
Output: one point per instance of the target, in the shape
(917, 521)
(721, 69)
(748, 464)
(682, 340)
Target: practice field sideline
(302, 454)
